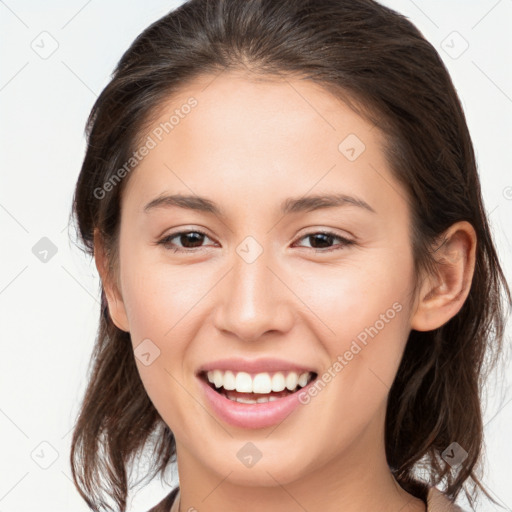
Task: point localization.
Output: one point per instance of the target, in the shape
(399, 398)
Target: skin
(247, 146)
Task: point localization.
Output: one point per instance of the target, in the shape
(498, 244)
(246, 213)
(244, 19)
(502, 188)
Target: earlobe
(115, 302)
(442, 296)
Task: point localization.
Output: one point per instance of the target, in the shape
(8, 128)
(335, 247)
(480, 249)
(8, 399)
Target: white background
(49, 311)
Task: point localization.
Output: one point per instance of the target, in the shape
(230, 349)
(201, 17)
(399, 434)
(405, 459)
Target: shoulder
(166, 504)
(437, 501)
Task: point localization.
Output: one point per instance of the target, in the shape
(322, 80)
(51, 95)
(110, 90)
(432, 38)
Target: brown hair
(377, 61)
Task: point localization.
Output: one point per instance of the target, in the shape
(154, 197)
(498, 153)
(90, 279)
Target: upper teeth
(259, 383)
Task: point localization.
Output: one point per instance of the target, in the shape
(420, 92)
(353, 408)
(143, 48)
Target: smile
(256, 400)
(264, 387)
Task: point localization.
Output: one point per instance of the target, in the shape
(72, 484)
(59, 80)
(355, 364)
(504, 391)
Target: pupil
(198, 238)
(322, 236)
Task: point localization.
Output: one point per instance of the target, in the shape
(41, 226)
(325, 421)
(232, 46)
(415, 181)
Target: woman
(298, 276)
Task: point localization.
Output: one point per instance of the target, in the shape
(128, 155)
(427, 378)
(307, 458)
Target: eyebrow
(289, 206)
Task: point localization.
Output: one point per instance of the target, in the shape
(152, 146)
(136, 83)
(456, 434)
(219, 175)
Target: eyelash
(167, 244)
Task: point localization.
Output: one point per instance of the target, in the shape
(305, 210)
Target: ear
(115, 302)
(441, 297)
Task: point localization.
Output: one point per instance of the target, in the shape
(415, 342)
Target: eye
(325, 238)
(189, 239)
(192, 240)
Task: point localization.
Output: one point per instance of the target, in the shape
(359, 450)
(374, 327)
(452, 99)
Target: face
(317, 286)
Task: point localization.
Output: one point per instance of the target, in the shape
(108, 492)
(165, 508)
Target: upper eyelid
(184, 232)
(323, 232)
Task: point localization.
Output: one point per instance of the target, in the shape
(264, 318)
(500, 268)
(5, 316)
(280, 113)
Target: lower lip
(252, 415)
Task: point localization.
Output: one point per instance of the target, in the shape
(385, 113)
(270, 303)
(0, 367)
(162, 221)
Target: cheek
(364, 326)
(159, 301)
(162, 302)
(159, 297)
(355, 296)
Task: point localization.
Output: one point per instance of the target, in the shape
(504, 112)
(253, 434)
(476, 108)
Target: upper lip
(254, 366)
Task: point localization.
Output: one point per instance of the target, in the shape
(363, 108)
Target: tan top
(437, 501)
(174, 507)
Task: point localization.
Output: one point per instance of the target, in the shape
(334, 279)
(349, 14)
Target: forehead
(261, 138)
(260, 108)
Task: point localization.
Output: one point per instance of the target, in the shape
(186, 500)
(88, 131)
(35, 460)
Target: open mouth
(292, 384)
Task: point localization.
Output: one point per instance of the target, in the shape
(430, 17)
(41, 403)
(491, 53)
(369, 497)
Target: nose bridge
(253, 300)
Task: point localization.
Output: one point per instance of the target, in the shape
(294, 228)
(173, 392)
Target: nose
(254, 299)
